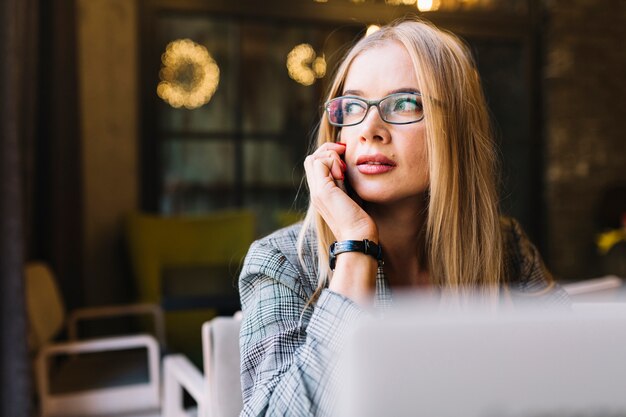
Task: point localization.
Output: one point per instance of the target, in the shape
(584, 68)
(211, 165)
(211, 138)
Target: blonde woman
(402, 194)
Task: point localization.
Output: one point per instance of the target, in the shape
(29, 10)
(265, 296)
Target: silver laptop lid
(475, 364)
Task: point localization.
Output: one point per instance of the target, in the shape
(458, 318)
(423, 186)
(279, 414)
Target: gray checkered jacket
(288, 352)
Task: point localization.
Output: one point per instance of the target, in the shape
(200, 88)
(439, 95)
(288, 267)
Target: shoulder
(524, 267)
(527, 278)
(516, 244)
(276, 257)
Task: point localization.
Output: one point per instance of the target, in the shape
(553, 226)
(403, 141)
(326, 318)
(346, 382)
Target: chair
(103, 376)
(286, 218)
(189, 265)
(218, 391)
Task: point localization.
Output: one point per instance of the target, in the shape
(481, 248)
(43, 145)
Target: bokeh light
(304, 66)
(189, 75)
(371, 29)
(428, 5)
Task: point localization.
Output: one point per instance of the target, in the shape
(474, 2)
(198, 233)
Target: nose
(373, 127)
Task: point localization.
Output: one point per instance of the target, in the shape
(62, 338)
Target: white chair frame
(142, 397)
(180, 374)
(48, 316)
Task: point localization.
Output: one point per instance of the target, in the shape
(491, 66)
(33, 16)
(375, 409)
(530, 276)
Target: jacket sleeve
(529, 280)
(288, 353)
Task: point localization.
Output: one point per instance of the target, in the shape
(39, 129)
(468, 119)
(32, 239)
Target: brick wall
(585, 124)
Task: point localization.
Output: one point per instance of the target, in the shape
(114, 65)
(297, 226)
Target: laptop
(474, 363)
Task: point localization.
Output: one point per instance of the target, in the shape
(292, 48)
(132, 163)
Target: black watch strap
(364, 246)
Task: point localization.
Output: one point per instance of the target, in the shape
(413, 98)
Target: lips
(374, 164)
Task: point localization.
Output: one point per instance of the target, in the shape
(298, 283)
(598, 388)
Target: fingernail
(340, 143)
(344, 165)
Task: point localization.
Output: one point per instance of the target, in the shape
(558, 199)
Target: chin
(380, 196)
(388, 195)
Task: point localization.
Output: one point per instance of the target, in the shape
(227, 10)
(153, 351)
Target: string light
(303, 66)
(189, 75)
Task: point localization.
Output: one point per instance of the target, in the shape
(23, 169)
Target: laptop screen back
(527, 364)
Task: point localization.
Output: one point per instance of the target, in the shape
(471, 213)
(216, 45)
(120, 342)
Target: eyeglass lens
(398, 108)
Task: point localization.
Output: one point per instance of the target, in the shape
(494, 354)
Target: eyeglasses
(396, 109)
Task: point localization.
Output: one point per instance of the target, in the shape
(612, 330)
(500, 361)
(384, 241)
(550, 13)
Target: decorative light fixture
(189, 75)
(401, 2)
(428, 5)
(371, 29)
(303, 66)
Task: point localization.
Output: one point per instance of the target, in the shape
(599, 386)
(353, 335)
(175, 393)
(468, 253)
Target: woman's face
(386, 163)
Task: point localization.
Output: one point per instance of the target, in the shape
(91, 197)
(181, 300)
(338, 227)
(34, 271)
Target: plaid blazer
(287, 351)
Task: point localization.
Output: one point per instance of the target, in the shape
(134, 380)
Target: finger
(337, 147)
(327, 152)
(317, 173)
(337, 168)
(328, 169)
(331, 158)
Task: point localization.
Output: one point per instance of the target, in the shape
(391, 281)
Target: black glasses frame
(370, 103)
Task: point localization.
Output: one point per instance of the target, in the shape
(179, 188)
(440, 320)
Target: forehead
(381, 69)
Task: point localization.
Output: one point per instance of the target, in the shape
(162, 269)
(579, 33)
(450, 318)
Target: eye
(353, 107)
(407, 104)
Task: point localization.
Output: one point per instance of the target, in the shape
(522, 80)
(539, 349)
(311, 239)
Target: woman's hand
(347, 220)
(355, 273)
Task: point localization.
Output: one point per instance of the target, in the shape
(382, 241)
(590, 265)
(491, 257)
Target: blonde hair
(462, 237)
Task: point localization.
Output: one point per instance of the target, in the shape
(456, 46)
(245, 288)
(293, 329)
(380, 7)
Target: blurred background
(119, 116)
(103, 142)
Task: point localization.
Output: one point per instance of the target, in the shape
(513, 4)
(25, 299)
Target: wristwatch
(364, 246)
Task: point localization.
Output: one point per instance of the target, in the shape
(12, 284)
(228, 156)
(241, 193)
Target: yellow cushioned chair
(189, 265)
(286, 218)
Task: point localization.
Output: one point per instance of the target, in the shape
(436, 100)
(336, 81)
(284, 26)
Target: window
(246, 146)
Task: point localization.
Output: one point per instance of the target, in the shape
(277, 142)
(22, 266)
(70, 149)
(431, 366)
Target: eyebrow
(398, 90)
